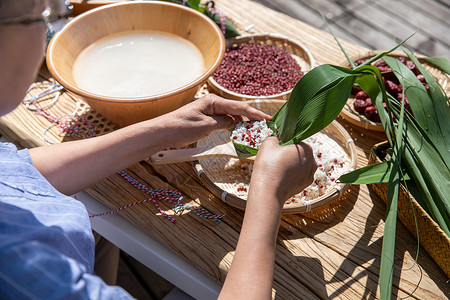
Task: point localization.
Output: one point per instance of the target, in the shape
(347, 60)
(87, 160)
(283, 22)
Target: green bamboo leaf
(369, 85)
(412, 124)
(350, 61)
(380, 55)
(244, 151)
(321, 110)
(413, 189)
(375, 173)
(388, 247)
(426, 167)
(374, 87)
(195, 4)
(440, 104)
(230, 30)
(433, 194)
(426, 108)
(441, 63)
(312, 88)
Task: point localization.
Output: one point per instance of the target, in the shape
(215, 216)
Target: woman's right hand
(279, 172)
(284, 170)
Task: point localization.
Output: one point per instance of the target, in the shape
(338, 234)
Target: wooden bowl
(221, 182)
(349, 114)
(298, 51)
(100, 22)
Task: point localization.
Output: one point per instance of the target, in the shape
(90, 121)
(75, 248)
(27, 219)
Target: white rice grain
(331, 158)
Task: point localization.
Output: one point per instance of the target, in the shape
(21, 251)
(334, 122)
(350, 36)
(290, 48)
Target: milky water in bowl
(137, 64)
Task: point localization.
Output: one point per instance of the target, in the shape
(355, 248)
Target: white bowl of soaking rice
(229, 178)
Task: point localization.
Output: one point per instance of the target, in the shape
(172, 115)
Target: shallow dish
(212, 172)
(298, 51)
(89, 27)
(349, 114)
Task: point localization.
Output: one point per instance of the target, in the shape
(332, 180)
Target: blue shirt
(46, 242)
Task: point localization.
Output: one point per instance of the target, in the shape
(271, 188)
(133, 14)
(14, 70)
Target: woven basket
(216, 179)
(298, 51)
(431, 236)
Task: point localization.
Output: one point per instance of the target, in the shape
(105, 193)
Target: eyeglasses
(54, 16)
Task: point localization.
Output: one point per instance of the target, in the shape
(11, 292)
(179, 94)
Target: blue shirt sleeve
(46, 242)
(31, 270)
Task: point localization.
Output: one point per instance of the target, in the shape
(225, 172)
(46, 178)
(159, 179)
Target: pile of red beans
(363, 104)
(258, 70)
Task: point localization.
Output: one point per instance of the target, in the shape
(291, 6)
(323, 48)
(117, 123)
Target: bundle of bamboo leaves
(420, 144)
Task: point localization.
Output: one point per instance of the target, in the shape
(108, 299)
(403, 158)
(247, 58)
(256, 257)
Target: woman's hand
(72, 166)
(286, 170)
(279, 173)
(198, 119)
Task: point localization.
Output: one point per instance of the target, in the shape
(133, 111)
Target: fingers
(224, 122)
(287, 169)
(221, 106)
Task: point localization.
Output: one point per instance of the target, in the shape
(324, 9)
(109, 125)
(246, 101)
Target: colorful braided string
(171, 196)
(213, 11)
(69, 125)
(222, 18)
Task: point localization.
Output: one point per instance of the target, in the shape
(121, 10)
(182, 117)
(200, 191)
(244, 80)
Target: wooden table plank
(375, 29)
(399, 30)
(330, 253)
(435, 29)
(439, 9)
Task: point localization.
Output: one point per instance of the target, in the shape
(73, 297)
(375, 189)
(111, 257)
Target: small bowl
(103, 21)
(298, 51)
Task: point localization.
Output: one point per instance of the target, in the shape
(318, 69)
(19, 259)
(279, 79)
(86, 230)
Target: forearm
(251, 272)
(279, 172)
(73, 166)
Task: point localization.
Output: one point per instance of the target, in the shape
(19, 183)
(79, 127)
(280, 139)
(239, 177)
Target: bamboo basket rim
(262, 37)
(435, 240)
(292, 208)
(360, 120)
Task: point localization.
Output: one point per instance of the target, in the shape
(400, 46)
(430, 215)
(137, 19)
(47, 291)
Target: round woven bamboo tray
(431, 236)
(349, 114)
(298, 51)
(221, 183)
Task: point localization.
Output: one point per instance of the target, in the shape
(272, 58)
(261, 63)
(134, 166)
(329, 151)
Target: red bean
(391, 87)
(361, 95)
(258, 70)
(359, 105)
(372, 114)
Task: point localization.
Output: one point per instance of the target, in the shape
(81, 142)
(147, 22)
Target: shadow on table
(352, 266)
(302, 234)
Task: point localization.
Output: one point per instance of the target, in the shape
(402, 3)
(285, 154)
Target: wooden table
(330, 253)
